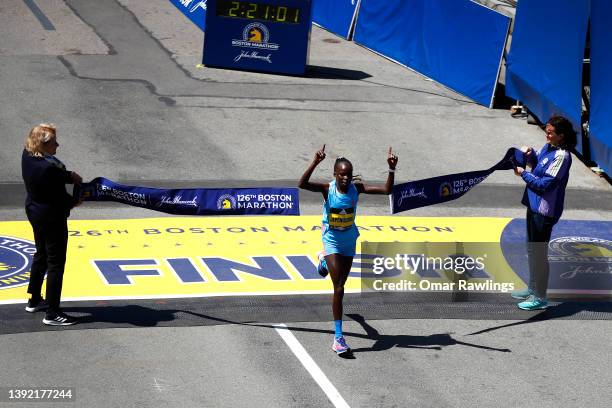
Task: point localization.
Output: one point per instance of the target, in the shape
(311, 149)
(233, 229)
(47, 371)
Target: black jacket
(45, 183)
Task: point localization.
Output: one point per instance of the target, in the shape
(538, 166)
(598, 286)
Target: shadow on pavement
(318, 72)
(558, 311)
(134, 315)
(431, 342)
(382, 342)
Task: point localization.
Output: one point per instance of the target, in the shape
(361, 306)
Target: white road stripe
(317, 374)
(183, 296)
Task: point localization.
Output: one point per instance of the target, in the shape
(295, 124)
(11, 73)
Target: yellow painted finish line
(208, 256)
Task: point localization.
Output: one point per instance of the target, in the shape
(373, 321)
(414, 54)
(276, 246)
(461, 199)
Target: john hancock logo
(226, 202)
(582, 256)
(15, 261)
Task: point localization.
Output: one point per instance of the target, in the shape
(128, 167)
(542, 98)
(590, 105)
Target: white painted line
(317, 374)
(184, 296)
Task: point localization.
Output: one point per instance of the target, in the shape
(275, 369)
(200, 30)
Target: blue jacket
(45, 180)
(546, 182)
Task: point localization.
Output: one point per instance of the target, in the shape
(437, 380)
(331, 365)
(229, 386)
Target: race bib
(341, 218)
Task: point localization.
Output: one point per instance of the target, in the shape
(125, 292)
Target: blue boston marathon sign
(440, 189)
(258, 35)
(195, 201)
(195, 10)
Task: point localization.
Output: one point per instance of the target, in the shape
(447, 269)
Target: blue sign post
(258, 35)
(195, 10)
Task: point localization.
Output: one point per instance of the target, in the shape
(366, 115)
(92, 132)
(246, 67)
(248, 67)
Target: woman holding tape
(544, 196)
(47, 207)
(339, 230)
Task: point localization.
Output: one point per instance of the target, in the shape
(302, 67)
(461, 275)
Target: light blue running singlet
(339, 230)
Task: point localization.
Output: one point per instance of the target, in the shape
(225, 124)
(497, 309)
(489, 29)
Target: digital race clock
(258, 11)
(266, 35)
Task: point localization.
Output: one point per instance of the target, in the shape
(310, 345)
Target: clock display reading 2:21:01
(258, 11)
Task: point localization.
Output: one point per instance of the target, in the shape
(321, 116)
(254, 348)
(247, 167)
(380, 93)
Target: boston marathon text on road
(238, 230)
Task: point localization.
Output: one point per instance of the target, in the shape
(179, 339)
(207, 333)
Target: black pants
(539, 230)
(51, 237)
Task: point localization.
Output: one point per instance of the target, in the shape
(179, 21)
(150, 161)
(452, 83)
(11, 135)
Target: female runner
(339, 230)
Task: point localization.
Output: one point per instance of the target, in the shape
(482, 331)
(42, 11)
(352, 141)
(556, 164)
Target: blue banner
(600, 122)
(458, 43)
(195, 10)
(544, 66)
(195, 201)
(436, 190)
(337, 16)
(266, 37)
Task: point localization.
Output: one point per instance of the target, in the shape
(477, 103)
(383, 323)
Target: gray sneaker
(522, 294)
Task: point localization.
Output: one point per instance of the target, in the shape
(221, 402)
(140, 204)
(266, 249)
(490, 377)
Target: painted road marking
(313, 369)
(25, 297)
(210, 256)
(194, 257)
(38, 13)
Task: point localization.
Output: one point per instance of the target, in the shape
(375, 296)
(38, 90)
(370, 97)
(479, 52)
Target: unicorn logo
(445, 189)
(255, 35)
(226, 202)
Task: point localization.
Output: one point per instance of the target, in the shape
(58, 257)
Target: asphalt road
(121, 80)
